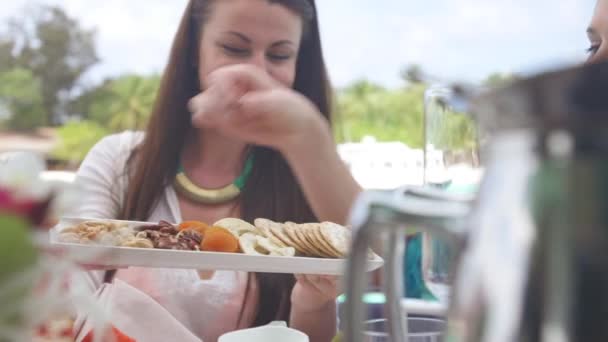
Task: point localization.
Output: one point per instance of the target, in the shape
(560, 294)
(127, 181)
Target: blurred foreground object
(40, 290)
(533, 245)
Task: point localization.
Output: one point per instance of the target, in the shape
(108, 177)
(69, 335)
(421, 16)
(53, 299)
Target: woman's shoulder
(117, 145)
(102, 175)
(126, 140)
(113, 150)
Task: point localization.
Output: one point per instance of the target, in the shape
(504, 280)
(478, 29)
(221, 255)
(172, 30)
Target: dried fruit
(199, 226)
(218, 239)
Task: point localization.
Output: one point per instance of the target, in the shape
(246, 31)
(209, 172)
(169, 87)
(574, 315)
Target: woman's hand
(243, 102)
(313, 293)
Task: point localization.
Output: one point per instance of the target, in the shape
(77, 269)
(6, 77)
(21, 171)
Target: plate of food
(228, 244)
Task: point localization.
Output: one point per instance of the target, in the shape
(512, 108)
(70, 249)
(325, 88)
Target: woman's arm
(320, 325)
(326, 181)
(331, 190)
(313, 307)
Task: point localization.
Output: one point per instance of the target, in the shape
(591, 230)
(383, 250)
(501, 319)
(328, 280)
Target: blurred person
(598, 33)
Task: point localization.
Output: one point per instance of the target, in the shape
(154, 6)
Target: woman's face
(254, 32)
(598, 33)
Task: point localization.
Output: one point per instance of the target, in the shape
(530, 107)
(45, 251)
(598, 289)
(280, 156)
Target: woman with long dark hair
(243, 113)
(598, 33)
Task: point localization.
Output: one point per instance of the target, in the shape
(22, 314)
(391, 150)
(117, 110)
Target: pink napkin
(138, 316)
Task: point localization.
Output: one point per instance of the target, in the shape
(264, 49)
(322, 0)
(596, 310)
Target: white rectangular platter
(120, 257)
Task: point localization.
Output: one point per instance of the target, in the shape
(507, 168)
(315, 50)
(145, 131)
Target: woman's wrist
(308, 309)
(319, 323)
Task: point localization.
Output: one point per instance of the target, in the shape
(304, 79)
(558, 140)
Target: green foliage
(368, 109)
(54, 48)
(500, 79)
(17, 255)
(6, 55)
(365, 108)
(77, 138)
(124, 103)
(21, 98)
(17, 252)
(81, 105)
(44, 54)
(116, 105)
(448, 130)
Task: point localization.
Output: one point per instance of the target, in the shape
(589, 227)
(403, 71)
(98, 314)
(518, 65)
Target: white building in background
(389, 165)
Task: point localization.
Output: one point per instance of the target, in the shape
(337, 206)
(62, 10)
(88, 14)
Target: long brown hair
(271, 191)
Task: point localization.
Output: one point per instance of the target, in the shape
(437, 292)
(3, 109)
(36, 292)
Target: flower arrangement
(37, 288)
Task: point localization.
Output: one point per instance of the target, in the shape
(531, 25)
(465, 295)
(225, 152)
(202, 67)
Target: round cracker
(328, 248)
(337, 236)
(308, 231)
(277, 230)
(287, 230)
(264, 226)
(291, 230)
(302, 235)
(302, 231)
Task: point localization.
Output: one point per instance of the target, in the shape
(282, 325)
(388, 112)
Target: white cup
(276, 331)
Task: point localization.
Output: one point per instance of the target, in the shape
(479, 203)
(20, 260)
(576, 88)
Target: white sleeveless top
(206, 308)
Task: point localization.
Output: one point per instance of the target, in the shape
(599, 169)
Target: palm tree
(132, 101)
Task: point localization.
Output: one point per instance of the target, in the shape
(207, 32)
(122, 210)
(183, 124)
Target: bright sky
(371, 39)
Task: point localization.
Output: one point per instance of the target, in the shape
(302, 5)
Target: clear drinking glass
(451, 162)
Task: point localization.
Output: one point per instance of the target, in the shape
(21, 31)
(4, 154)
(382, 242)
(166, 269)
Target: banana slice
(284, 251)
(273, 249)
(237, 227)
(252, 244)
(249, 245)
